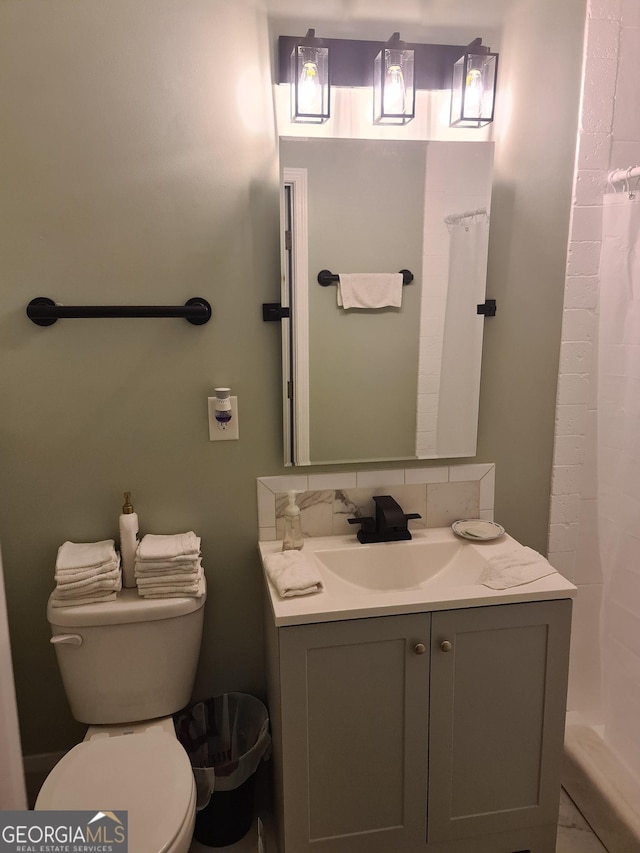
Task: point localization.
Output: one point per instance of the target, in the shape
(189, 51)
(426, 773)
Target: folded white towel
(515, 568)
(85, 555)
(174, 579)
(73, 575)
(158, 567)
(292, 573)
(193, 593)
(113, 585)
(112, 577)
(164, 547)
(370, 290)
(95, 598)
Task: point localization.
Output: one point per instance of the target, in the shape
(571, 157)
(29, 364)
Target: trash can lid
(147, 774)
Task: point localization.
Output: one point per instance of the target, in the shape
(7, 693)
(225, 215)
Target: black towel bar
(44, 311)
(325, 277)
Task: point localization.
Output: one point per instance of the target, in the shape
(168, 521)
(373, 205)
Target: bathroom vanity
(424, 716)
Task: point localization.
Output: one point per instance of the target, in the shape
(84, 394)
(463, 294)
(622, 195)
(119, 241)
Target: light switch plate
(232, 431)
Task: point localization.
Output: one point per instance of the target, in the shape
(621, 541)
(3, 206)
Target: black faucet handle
(368, 524)
(409, 515)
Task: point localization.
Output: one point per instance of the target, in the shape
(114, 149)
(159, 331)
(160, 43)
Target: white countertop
(450, 588)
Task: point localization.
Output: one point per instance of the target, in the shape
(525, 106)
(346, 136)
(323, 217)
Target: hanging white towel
(292, 573)
(515, 568)
(370, 290)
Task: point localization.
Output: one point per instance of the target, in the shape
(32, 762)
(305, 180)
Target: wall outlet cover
(232, 431)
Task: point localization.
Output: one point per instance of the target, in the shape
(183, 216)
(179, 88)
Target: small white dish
(477, 529)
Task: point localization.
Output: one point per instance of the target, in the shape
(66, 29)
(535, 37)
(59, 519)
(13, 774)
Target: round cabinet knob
(419, 648)
(446, 646)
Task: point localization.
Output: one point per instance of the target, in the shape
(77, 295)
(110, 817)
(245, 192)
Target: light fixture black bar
(326, 277)
(44, 311)
(351, 61)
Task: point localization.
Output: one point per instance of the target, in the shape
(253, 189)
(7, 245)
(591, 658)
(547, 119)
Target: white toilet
(127, 665)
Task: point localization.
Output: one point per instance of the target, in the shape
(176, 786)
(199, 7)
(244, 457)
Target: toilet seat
(146, 773)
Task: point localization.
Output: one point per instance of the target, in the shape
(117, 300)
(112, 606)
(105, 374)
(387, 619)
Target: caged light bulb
(394, 91)
(309, 92)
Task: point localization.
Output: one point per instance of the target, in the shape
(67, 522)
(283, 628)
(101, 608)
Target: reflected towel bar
(325, 277)
(44, 311)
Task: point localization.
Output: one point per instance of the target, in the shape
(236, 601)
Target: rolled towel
(172, 547)
(95, 598)
(515, 568)
(292, 573)
(84, 555)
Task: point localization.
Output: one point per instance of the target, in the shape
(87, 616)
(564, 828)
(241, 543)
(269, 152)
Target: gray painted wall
(132, 173)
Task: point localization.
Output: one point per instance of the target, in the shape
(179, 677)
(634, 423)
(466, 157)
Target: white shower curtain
(619, 474)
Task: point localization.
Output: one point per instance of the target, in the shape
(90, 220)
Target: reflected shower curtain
(462, 337)
(619, 474)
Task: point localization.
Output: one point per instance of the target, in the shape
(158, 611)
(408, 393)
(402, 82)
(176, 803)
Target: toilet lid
(147, 774)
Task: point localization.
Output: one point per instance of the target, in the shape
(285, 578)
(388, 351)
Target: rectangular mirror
(389, 383)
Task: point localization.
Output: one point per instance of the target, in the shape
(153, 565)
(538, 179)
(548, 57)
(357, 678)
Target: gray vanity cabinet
(354, 734)
(423, 733)
(498, 703)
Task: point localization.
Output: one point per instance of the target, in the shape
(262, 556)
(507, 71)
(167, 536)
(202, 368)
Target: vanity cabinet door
(498, 701)
(354, 734)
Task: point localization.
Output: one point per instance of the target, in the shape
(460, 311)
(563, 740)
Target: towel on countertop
(370, 290)
(76, 556)
(292, 573)
(515, 568)
(168, 548)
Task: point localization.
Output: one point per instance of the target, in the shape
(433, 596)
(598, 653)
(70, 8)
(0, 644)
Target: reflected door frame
(295, 329)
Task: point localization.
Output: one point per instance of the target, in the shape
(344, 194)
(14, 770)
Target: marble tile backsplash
(440, 494)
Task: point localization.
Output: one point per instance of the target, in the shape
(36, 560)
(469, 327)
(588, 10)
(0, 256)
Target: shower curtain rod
(619, 175)
(468, 214)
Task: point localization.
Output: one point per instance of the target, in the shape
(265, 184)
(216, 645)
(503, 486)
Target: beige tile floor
(574, 836)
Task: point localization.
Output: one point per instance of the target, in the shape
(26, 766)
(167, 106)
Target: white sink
(434, 571)
(401, 565)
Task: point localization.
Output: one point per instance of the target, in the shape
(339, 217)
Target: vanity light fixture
(393, 89)
(310, 81)
(474, 87)
(394, 70)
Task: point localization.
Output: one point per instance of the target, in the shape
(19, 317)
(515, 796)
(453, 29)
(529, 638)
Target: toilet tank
(128, 660)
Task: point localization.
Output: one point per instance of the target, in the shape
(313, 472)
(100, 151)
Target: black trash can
(225, 738)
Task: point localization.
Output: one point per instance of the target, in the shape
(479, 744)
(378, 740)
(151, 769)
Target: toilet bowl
(140, 769)
(126, 666)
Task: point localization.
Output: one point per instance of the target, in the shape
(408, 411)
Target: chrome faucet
(389, 524)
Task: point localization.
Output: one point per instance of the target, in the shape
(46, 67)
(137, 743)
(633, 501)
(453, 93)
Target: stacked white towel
(86, 573)
(169, 565)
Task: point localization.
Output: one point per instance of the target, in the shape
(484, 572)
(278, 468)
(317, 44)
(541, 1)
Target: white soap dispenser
(129, 533)
(292, 527)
